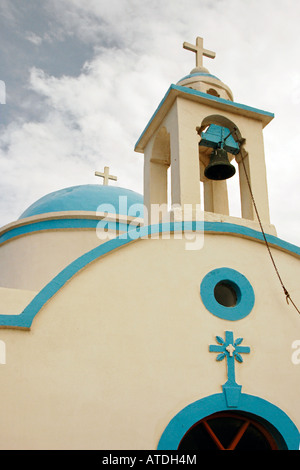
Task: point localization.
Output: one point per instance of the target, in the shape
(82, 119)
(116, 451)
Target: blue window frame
(240, 293)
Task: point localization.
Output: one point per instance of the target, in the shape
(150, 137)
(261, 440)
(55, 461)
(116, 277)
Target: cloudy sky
(83, 77)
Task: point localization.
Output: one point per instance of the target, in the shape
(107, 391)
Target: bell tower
(197, 136)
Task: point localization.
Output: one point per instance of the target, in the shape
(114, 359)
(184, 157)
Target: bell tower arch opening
(220, 188)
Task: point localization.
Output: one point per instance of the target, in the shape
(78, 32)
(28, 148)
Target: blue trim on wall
(218, 227)
(256, 406)
(24, 320)
(60, 224)
(245, 294)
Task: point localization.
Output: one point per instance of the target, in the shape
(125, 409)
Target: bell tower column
(185, 171)
(253, 170)
(216, 197)
(155, 188)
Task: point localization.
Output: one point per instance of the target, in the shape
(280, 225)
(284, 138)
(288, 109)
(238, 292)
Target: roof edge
(176, 90)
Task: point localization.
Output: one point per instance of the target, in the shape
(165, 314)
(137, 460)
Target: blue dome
(88, 197)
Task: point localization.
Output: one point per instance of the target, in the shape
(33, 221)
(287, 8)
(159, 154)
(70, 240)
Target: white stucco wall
(124, 346)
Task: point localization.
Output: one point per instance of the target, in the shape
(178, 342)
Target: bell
(219, 167)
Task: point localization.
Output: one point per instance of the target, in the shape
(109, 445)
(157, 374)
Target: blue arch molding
(243, 288)
(25, 318)
(287, 434)
(63, 224)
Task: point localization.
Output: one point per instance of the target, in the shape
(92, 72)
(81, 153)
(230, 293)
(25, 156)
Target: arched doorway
(228, 431)
(209, 423)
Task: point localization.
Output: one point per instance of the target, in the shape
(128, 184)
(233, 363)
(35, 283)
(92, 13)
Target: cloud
(79, 118)
(2, 92)
(87, 123)
(33, 38)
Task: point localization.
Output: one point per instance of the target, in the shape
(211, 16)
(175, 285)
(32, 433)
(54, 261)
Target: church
(156, 321)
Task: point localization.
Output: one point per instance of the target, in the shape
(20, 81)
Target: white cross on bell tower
(199, 50)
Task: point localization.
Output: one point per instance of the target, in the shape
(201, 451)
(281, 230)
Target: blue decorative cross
(231, 350)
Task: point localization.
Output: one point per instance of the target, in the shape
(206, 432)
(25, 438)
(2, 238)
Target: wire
(286, 293)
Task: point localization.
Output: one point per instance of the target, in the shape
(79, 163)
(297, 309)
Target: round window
(227, 294)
